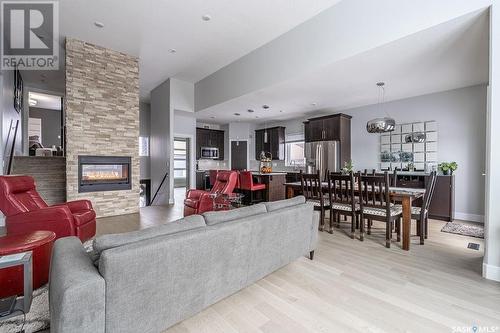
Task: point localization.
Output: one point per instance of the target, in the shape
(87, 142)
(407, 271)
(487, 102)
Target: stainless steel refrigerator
(322, 156)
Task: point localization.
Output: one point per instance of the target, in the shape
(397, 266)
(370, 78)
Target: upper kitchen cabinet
(275, 143)
(327, 128)
(336, 127)
(209, 138)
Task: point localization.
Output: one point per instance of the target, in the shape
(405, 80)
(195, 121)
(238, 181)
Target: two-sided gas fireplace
(104, 173)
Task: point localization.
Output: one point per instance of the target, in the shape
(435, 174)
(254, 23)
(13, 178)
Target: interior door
(239, 155)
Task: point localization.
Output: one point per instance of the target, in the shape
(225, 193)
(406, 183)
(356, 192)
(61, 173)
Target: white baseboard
(491, 272)
(469, 217)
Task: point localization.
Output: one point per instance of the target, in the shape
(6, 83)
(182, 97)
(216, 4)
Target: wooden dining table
(405, 195)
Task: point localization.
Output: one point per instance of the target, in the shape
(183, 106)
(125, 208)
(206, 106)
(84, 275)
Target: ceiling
(447, 56)
(149, 29)
(45, 101)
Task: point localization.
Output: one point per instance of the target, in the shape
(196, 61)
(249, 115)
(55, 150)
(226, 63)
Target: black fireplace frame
(85, 159)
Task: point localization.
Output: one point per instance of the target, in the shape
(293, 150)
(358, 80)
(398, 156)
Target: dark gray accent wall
(51, 125)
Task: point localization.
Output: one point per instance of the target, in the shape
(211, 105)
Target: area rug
(38, 318)
(463, 229)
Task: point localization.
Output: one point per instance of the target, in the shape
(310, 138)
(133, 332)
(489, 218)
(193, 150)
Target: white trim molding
(469, 217)
(491, 272)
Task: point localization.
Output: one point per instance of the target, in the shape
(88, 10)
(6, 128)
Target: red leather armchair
(25, 211)
(198, 201)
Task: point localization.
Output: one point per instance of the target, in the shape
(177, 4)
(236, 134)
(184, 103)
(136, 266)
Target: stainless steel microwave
(209, 153)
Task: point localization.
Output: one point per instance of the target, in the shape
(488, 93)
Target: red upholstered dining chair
(198, 201)
(25, 211)
(248, 186)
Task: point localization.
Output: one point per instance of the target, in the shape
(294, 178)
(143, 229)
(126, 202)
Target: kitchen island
(274, 184)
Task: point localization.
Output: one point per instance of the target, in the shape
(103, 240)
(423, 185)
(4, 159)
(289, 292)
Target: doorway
(45, 124)
(239, 155)
(181, 164)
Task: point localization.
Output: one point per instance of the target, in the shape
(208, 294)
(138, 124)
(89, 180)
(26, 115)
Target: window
(295, 154)
(144, 146)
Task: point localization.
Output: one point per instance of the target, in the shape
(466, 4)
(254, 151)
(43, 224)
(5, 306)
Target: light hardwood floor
(352, 286)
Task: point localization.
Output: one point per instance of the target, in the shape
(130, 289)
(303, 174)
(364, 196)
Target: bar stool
(247, 185)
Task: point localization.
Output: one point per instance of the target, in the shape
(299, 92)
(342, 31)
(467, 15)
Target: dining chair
(313, 192)
(421, 214)
(375, 204)
(342, 199)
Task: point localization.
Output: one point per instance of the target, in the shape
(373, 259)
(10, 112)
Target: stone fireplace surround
(102, 119)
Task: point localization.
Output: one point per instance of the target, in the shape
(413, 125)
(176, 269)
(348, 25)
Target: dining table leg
(406, 202)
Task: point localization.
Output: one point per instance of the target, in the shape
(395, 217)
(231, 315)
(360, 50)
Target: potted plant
(348, 167)
(447, 168)
(453, 166)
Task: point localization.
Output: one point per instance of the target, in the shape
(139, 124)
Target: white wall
(461, 117)
(145, 130)
(323, 40)
(491, 262)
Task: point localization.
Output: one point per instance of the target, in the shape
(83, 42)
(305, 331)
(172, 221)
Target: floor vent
(473, 246)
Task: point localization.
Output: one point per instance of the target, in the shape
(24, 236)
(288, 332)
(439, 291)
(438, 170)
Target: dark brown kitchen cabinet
(336, 127)
(442, 205)
(275, 143)
(209, 138)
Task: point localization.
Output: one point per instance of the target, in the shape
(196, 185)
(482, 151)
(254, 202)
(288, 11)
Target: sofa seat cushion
(212, 218)
(276, 205)
(83, 217)
(105, 242)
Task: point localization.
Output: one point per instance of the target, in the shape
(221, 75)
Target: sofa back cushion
(276, 205)
(105, 242)
(212, 218)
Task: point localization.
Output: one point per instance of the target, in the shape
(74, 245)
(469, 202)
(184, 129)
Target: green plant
(447, 167)
(348, 167)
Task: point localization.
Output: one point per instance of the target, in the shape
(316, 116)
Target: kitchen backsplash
(212, 164)
(277, 166)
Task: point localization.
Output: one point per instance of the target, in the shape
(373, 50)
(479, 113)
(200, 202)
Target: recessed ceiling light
(250, 111)
(281, 111)
(99, 24)
(33, 102)
(237, 114)
(172, 50)
(212, 117)
(265, 106)
(257, 117)
(206, 17)
(314, 104)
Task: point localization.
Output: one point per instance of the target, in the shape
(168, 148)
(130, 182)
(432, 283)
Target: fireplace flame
(98, 175)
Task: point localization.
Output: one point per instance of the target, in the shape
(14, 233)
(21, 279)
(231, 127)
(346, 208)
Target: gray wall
(145, 130)
(161, 141)
(461, 117)
(8, 114)
(51, 125)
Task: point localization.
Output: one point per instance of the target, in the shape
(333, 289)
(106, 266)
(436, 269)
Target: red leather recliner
(198, 201)
(25, 211)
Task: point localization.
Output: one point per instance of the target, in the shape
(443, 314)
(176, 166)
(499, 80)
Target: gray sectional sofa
(149, 280)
